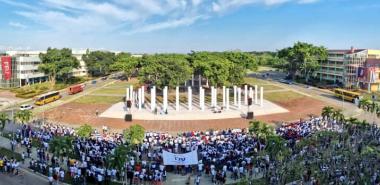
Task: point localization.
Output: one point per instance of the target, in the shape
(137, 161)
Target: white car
(26, 107)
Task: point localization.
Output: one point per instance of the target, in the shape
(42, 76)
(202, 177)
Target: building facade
(341, 67)
(369, 75)
(23, 68)
(82, 70)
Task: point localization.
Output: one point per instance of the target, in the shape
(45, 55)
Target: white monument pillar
(224, 96)
(256, 94)
(245, 95)
(131, 93)
(216, 97)
(165, 98)
(127, 94)
(143, 95)
(153, 98)
(228, 99)
(235, 103)
(192, 80)
(139, 93)
(250, 92)
(201, 98)
(177, 98)
(239, 97)
(189, 98)
(200, 80)
(212, 96)
(261, 96)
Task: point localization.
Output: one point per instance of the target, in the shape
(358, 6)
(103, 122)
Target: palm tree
(260, 129)
(338, 115)
(254, 127)
(84, 131)
(134, 134)
(266, 130)
(24, 116)
(352, 120)
(118, 158)
(275, 146)
(61, 146)
(327, 112)
(373, 107)
(363, 103)
(3, 120)
(363, 124)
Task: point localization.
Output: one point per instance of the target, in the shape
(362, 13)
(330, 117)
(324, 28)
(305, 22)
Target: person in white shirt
(62, 175)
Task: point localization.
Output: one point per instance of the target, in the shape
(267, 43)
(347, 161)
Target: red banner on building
(6, 67)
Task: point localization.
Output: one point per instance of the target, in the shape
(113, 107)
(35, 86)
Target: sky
(156, 26)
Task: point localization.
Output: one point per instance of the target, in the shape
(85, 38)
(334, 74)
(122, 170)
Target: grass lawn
(98, 99)
(271, 87)
(124, 84)
(10, 154)
(282, 96)
(114, 90)
(40, 88)
(255, 81)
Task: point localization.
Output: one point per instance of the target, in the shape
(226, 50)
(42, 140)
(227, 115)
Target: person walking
(197, 180)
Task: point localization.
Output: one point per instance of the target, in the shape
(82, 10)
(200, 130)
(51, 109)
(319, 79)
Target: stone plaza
(200, 104)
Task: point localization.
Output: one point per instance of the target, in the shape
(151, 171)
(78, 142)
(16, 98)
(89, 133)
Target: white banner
(180, 159)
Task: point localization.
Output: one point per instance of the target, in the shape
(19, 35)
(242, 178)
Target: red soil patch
(8, 95)
(298, 108)
(76, 114)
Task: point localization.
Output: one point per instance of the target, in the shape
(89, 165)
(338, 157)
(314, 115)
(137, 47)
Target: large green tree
(303, 58)
(165, 69)
(98, 62)
(126, 63)
(58, 64)
(212, 66)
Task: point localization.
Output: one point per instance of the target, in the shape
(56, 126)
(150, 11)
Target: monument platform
(119, 110)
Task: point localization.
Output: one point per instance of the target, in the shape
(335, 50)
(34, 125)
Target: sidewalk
(25, 172)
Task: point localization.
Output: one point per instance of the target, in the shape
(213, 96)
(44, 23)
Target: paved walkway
(26, 175)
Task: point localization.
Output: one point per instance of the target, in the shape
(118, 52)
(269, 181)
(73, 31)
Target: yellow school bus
(47, 98)
(346, 95)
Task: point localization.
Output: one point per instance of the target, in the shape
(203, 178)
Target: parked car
(26, 107)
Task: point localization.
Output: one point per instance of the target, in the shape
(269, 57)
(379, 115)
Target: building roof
(343, 51)
(372, 63)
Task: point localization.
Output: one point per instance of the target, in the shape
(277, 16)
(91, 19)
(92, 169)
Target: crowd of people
(226, 154)
(304, 128)
(9, 165)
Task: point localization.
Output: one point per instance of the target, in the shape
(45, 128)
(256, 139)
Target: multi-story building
(82, 70)
(369, 75)
(342, 66)
(22, 68)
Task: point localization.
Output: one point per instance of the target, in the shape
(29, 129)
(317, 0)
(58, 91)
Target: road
(349, 109)
(89, 88)
(24, 178)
